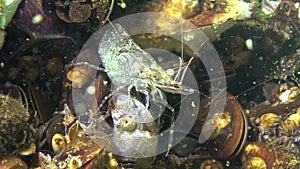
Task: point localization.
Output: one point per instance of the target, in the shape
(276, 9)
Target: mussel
(230, 128)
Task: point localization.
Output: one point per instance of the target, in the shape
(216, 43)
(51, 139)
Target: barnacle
(292, 123)
(128, 125)
(211, 164)
(255, 163)
(58, 142)
(269, 119)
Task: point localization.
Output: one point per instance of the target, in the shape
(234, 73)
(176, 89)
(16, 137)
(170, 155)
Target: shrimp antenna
(109, 12)
(253, 87)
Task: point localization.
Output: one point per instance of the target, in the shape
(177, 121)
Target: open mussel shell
(229, 127)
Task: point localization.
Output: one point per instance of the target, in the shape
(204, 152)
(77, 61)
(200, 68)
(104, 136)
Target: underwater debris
(7, 11)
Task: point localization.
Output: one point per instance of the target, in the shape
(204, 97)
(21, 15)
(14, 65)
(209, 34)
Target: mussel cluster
(265, 136)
